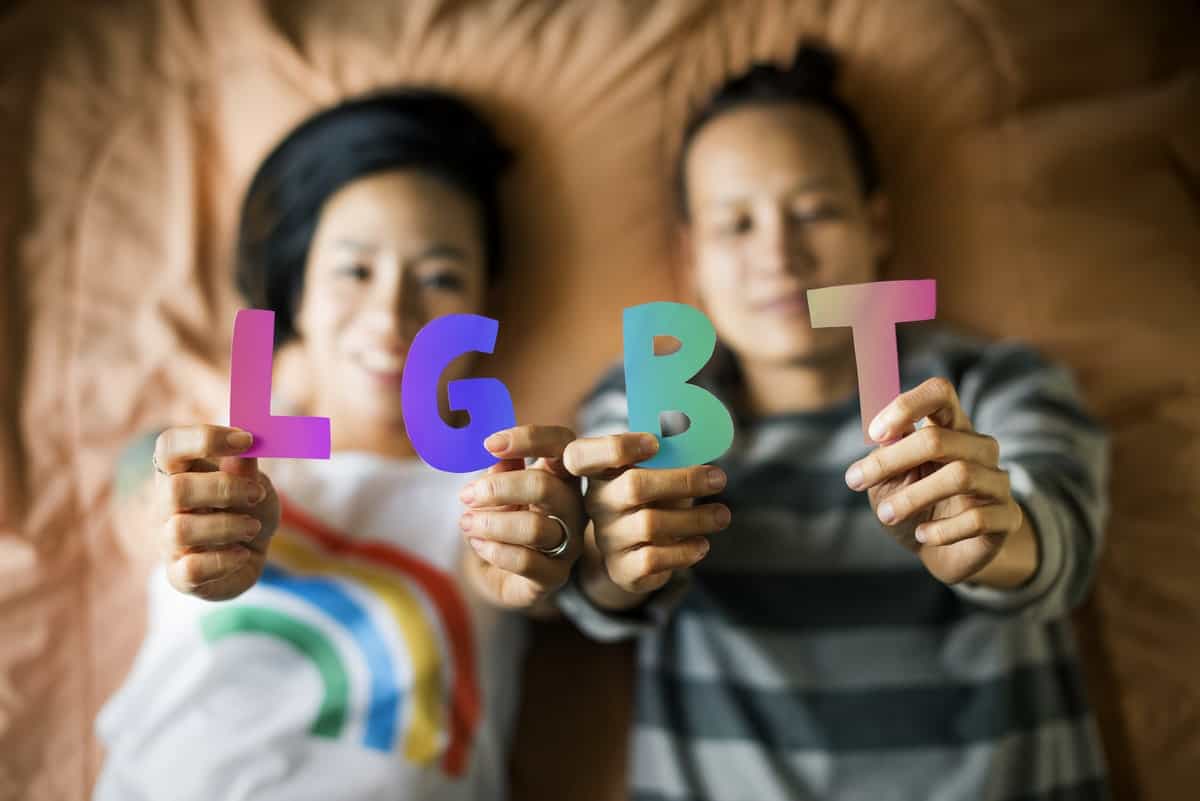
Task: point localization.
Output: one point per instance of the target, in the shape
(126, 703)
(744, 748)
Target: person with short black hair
(363, 647)
(798, 654)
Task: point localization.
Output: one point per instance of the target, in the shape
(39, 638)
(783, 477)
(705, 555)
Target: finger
(992, 518)
(928, 444)
(520, 487)
(510, 589)
(237, 466)
(529, 442)
(178, 447)
(555, 466)
(506, 466)
(935, 398)
(186, 531)
(543, 570)
(596, 456)
(639, 486)
(218, 490)
(650, 567)
(524, 528)
(218, 573)
(650, 526)
(955, 478)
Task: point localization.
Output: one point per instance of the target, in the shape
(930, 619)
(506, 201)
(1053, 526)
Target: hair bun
(814, 68)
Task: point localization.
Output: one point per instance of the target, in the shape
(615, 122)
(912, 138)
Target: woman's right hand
(216, 511)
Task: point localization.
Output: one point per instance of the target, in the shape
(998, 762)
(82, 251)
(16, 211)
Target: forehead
(399, 204)
(768, 148)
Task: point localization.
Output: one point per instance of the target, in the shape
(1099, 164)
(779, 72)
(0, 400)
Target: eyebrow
(353, 244)
(811, 185)
(442, 250)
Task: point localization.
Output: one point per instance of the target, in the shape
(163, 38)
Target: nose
(393, 314)
(781, 246)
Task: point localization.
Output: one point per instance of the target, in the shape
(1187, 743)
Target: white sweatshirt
(357, 668)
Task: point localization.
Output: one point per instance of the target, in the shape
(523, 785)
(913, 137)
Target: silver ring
(154, 459)
(558, 550)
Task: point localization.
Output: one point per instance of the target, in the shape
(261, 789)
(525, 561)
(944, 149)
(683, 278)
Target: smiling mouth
(386, 368)
(793, 303)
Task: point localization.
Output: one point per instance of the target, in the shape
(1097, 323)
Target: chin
(804, 350)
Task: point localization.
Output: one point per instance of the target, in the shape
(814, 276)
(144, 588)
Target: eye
(447, 280)
(355, 272)
(817, 213)
(735, 226)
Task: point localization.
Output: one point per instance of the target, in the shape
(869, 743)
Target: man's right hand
(644, 521)
(216, 512)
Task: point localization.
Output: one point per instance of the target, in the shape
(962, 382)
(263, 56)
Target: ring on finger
(561, 548)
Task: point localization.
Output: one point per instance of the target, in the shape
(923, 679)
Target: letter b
(656, 384)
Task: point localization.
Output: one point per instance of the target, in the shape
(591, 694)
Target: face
(391, 252)
(776, 208)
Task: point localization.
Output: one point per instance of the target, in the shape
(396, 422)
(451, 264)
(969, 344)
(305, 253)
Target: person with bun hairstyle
(363, 645)
(788, 649)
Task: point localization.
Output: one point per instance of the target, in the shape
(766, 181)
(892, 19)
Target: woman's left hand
(938, 489)
(506, 523)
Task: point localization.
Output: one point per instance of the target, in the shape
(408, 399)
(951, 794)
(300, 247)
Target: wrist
(602, 591)
(1015, 563)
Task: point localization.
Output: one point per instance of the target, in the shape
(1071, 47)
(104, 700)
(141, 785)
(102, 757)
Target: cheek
(467, 301)
(847, 252)
(325, 325)
(720, 277)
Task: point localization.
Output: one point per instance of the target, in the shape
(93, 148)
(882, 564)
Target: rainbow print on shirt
(373, 593)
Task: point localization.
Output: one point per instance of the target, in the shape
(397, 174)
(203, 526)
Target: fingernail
(468, 494)
(240, 440)
(920, 534)
(854, 477)
(496, 442)
(704, 547)
(479, 545)
(877, 429)
(467, 521)
(258, 493)
(722, 516)
(648, 446)
(716, 478)
(252, 529)
(886, 513)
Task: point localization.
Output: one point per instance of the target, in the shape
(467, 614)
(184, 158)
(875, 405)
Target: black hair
(810, 79)
(422, 129)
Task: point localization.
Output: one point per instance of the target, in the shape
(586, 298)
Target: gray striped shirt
(810, 657)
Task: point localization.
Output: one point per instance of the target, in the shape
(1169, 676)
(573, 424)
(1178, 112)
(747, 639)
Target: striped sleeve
(1057, 459)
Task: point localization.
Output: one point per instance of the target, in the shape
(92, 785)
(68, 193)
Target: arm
(1057, 459)
(1018, 532)
(646, 533)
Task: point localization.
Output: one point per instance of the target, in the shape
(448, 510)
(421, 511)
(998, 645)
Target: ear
(879, 218)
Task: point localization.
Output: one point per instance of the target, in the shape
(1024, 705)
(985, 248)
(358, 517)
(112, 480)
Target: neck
(371, 434)
(772, 388)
